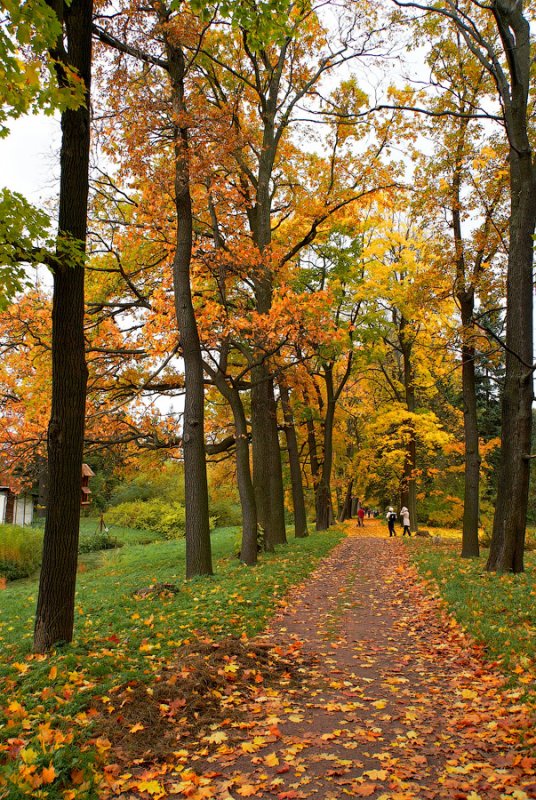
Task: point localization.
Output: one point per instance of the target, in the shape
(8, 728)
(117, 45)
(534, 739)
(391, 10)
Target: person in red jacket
(360, 516)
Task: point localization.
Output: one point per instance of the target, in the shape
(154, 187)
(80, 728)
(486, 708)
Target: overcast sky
(29, 158)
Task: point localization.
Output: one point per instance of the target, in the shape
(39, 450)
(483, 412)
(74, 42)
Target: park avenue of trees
(279, 259)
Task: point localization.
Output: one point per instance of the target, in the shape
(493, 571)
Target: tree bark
(470, 546)
(55, 604)
(324, 515)
(267, 472)
(465, 293)
(346, 509)
(198, 546)
(409, 490)
(249, 545)
(298, 500)
(508, 539)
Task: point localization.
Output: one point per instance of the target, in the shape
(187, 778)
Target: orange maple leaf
(364, 789)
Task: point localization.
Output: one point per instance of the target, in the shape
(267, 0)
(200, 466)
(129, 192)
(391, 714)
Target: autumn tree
(71, 54)
(498, 35)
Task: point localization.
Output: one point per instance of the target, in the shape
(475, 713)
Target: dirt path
(392, 703)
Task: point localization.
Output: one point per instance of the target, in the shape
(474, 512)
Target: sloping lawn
(45, 740)
(498, 611)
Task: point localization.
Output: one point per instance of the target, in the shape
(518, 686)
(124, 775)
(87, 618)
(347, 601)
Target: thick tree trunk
(470, 546)
(346, 509)
(300, 515)
(267, 472)
(508, 539)
(55, 604)
(198, 547)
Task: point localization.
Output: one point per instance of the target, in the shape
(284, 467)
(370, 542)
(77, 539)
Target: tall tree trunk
(55, 604)
(466, 298)
(508, 539)
(324, 516)
(198, 547)
(267, 471)
(313, 448)
(298, 500)
(409, 493)
(248, 548)
(346, 508)
(470, 546)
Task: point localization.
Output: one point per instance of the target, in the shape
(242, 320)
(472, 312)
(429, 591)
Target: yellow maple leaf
(469, 694)
(102, 744)
(52, 674)
(271, 760)
(376, 774)
(153, 788)
(137, 727)
(216, 738)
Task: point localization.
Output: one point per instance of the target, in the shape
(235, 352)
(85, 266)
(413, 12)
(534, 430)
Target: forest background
(285, 253)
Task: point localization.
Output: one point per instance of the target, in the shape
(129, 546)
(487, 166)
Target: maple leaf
(247, 790)
(364, 789)
(376, 774)
(137, 727)
(271, 760)
(48, 774)
(216, 738)
(152, 787)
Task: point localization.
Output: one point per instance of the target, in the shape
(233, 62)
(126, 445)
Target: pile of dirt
(194, 699)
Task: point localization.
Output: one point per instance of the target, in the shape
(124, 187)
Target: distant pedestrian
(404, 513)
(360, 516)
(391, 519)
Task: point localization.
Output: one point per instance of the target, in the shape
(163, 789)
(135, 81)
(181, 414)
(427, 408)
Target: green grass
(498, 611)
(119, 637)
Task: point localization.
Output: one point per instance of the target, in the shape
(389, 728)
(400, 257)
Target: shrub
(153, 515)
(161, 516)
(20, 551)
(101, 540)
(226, 511)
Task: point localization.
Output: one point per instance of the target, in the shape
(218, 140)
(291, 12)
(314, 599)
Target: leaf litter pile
(193, 701)
(362, 687)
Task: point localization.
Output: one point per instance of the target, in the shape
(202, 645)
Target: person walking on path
(391, 519)
(404, 513)
(360, 516)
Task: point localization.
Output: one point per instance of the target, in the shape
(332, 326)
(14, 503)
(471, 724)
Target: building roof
(87, 472)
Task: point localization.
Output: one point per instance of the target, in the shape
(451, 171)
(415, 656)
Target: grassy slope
(498, 611)
(119, 636)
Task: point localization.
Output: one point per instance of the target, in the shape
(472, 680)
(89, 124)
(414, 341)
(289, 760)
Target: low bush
(100, 540)
(158, 515)
(226, 511)
(20, 551)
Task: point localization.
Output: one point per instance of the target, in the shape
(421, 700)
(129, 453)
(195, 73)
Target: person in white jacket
(404, 513)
